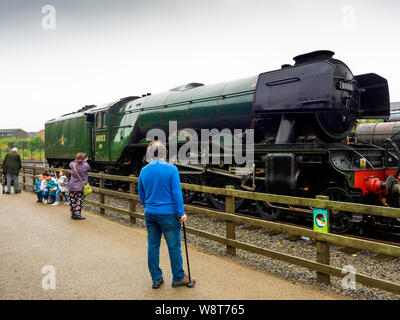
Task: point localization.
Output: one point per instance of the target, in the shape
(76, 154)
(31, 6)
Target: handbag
(87, 189)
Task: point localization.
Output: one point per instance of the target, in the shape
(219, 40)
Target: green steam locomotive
(299, 115)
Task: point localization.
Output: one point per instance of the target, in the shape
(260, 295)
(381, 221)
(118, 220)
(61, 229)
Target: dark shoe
(79, 218)
(156, 285)
(8, 192)
(39, 201)
(183, 282)
(72, 216)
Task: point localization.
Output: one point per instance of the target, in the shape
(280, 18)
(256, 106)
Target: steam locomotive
(300, 115)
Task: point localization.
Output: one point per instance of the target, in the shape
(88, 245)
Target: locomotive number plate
(346, 86)
(101, 138)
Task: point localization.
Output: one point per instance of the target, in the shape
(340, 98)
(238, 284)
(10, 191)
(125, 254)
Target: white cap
(14, 150)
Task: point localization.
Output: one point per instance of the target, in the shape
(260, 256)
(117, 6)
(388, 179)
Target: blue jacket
(51, 184)
(160, 189)
(37, 185)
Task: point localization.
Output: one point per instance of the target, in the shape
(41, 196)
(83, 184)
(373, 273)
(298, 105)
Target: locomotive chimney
(313, 56)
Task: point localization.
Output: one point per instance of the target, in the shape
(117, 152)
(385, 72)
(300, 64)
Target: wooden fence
(323, 240)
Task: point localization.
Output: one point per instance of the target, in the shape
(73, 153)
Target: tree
(19, 143)
(36, 144)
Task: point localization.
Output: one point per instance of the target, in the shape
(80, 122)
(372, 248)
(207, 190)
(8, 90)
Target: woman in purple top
(75, 185)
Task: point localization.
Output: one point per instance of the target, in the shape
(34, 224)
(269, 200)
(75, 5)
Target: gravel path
(363, 261)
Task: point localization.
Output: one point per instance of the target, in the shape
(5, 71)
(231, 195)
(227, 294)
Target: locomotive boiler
(301, 115)
(378, 133)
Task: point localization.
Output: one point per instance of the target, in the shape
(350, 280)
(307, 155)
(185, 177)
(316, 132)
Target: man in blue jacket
(160, 192)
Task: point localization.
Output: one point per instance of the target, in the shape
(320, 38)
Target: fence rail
(323, 240)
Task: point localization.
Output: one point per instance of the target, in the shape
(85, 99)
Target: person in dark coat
(12, 166)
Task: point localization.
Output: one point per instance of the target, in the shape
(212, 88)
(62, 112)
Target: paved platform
(100, 259)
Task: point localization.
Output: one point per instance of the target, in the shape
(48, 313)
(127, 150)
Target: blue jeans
(58, 195)
(39, 196)
(45, 194)
(170, 226)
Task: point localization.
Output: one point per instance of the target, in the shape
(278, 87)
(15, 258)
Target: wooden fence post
(23, 178)
(101, 195)
(230, 226)
(33, 174)
(132, 203)
(323, 255)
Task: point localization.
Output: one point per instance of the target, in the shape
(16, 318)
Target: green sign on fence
(321, 221)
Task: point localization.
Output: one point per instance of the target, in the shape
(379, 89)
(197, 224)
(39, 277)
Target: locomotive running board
(200, 170)
(203, 169)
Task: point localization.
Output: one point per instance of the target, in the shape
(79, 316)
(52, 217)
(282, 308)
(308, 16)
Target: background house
(40, 134)
(31, 135)
(13, 133)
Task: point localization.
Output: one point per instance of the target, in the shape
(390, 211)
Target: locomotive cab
(101, 136)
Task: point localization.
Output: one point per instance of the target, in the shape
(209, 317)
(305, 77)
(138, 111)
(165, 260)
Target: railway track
(389, 238)
(34, 162)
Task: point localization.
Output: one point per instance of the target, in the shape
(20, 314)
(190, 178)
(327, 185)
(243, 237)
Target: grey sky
(101, 51)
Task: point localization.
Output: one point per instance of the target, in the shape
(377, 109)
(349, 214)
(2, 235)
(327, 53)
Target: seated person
(43, 187)
(51, 187)
(62, 188)
(36, 187)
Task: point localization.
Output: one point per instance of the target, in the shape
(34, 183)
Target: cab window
(103, 120)
(98, 120)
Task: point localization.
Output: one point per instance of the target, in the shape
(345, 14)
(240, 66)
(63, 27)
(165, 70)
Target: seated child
(51, 187)
(36, 188)
(62, 188)
(45, 189)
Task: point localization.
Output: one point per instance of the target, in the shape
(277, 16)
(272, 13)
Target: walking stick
(190, 283)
